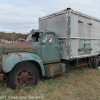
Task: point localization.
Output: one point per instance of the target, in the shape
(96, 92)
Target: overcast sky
(22, 15)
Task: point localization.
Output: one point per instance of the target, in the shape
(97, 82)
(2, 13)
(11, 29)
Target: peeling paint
(68, 33)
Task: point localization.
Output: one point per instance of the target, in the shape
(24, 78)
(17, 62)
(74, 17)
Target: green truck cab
(23, 63)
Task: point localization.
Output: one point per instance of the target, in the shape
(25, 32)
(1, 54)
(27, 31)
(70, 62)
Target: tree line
(12, 36)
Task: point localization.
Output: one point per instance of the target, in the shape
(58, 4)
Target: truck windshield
(34, 37)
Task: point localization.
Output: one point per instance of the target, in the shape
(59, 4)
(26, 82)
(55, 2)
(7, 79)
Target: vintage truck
(62, 37)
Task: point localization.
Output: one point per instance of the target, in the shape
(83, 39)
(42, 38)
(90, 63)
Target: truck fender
(11, 59)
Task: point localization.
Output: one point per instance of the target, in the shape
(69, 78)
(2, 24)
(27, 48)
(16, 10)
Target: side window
(49, 38)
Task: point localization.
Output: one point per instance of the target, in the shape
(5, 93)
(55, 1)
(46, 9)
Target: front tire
(23, 74)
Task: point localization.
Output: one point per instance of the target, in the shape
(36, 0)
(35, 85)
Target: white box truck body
(79, 34)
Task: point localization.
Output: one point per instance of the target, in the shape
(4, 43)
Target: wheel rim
(24, 77)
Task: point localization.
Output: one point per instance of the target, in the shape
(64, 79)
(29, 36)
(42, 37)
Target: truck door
(50, 48)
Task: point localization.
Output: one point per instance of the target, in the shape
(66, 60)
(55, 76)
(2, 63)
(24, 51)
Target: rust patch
(24, 77)
(58, 72)
(42, 46)
(54, 64)
(1, 77)
(17, 47)
(53, 69)
(0, 67)
(83, 64)
(5, 52)
(7, 56)
(19, 55)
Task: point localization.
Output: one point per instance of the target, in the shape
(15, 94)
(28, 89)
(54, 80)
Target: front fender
(10, 60)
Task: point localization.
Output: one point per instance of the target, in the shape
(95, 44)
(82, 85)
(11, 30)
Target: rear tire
(96, 62)
(23, 74)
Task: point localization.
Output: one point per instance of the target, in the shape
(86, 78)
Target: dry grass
(76, 85)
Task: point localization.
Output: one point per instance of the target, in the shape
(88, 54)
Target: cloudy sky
(22, 15)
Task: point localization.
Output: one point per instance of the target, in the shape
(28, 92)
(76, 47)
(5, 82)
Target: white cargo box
(79, 34)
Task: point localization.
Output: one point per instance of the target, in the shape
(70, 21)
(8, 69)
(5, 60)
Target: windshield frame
(29, 37)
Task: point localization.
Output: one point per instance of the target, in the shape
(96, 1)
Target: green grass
(74, 85)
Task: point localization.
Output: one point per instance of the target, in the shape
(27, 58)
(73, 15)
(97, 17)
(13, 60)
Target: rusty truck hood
(16, 47)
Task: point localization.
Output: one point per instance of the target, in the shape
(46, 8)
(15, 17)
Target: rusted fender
(11, 59)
